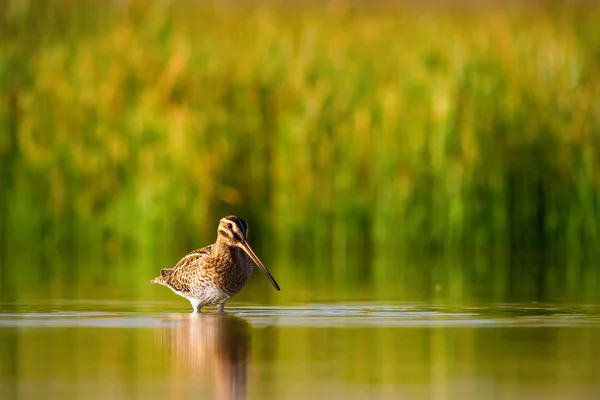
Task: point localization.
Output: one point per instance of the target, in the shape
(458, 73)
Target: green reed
(348, 138)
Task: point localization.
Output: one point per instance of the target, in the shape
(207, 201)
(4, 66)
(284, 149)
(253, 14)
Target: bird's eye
(229, 226)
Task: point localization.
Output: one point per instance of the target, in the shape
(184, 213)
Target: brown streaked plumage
(213, 274)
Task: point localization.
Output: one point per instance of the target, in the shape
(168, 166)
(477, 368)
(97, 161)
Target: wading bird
(213, 274)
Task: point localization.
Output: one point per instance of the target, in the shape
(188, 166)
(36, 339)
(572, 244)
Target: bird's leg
(196, 306)
(221, 307)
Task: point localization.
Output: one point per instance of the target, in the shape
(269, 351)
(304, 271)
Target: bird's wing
(177, 277)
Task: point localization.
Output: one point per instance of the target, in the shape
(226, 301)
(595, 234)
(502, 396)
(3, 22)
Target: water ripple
(143, 315)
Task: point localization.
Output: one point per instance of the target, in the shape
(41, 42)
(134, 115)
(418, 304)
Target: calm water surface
(115, 350)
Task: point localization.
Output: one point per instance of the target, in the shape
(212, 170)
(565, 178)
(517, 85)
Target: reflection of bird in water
(210, 346)
(211, 275)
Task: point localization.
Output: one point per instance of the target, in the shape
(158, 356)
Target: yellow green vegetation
(346, 137)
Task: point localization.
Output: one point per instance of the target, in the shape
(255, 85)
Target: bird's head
(234, 231)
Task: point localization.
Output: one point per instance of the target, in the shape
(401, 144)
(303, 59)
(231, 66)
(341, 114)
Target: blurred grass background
(397, 150)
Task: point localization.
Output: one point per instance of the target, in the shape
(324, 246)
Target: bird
(213, 274)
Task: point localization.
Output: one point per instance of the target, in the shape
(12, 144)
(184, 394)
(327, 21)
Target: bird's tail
(164, 273)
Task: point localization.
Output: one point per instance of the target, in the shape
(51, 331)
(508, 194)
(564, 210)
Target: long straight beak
(250, 252)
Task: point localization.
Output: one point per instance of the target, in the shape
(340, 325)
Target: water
(156, 350)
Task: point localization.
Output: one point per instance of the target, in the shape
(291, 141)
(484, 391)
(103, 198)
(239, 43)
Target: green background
(377, 152)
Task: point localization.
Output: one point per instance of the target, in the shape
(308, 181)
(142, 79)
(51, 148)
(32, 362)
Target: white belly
(207, 296)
